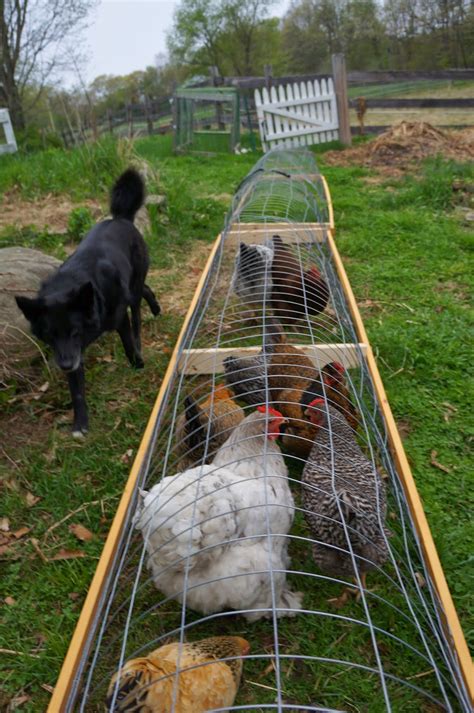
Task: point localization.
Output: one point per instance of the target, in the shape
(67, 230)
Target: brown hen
(295, 294)
(205, 681)
(300, 432)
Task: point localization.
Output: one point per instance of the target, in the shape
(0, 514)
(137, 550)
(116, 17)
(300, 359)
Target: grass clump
(80, 221)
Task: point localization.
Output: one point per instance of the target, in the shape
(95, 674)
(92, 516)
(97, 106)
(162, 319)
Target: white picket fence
(10, 142)
(298, 114)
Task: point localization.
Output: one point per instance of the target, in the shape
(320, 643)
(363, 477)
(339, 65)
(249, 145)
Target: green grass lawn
(408, 258)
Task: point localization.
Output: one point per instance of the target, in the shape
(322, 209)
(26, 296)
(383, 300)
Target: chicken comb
(316, 401)
(270, 410)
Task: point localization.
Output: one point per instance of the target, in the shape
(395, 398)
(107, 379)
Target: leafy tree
(363, 35)
(33, 38)
(311, 33)
(194, 39)
(236, 37)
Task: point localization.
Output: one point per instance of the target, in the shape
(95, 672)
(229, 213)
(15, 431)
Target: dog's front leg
(77, 387)
(131, 350)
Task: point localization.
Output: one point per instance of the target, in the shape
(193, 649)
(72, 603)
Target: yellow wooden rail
(432, 560)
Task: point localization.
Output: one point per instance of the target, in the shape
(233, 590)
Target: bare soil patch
(404, 145)
(49, 211)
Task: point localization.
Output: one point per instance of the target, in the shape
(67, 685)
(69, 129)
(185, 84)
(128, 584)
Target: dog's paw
(78, 435)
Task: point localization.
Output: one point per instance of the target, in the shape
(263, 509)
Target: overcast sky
(126, 35)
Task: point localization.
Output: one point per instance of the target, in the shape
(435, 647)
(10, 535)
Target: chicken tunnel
(270, 510)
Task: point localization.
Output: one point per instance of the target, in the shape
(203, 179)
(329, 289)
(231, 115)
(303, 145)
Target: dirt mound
(49, 211)
(405, 144)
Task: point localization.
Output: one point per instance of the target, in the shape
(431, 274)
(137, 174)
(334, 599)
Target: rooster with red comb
(221, 528)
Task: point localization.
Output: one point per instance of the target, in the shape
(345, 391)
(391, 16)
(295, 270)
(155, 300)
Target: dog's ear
(31, 307)
(83, 299)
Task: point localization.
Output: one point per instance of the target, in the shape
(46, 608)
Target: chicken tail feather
(194, 429)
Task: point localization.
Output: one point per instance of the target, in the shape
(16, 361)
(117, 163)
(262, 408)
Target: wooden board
(260, 232)
(211, 361)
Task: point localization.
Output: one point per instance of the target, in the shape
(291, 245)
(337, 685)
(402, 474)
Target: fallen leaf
(31, 499)
(420, 579)
(268, 669)
(42, 389)
(67, 555)
(437, 464)
(4, 524)
(127, 456)
(404, 428)
(10, 601)
(18, 701)
(11, 484)
(81, 532)
(450, 411)
(19, 533)
(50, 456)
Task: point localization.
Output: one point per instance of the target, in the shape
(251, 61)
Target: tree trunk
(14, 104)
(7, 76)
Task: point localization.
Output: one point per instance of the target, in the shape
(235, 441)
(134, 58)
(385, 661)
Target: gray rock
(21, 272)
(154, 204)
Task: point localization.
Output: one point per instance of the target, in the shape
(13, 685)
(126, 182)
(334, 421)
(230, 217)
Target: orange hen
(193, 429)
(205, 681)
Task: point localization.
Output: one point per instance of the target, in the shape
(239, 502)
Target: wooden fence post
(148, 117)
(340, 87)
(214, 71)
(174, 114)
(268, 69)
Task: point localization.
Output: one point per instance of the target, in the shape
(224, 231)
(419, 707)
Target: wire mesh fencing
(269, 506)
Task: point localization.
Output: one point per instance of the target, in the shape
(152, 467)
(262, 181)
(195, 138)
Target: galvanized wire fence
(303, 545)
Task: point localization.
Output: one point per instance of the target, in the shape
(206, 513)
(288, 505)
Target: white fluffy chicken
(219, 531)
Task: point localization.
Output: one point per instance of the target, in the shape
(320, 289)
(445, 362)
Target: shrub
(79, 223)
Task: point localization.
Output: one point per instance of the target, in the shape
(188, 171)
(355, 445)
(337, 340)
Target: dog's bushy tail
(128, 195)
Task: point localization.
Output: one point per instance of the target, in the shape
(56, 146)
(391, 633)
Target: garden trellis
(400, 648)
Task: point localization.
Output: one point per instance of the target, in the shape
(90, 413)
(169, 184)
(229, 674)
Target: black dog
(91, 292)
